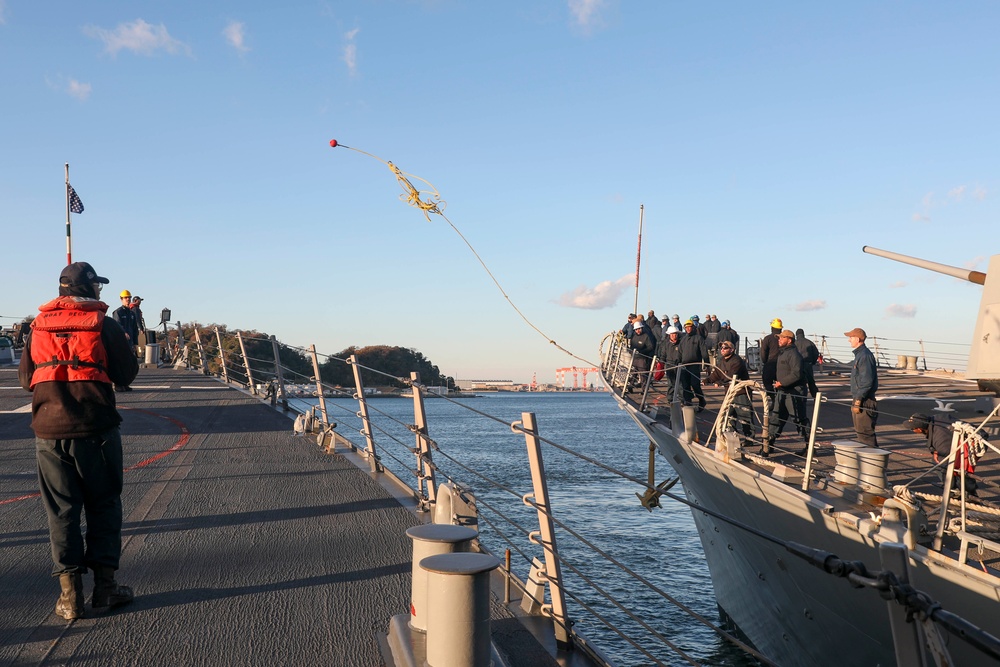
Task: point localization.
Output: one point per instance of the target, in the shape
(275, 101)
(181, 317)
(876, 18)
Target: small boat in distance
(771, 527)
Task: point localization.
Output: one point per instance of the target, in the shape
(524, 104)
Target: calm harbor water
(661, 546)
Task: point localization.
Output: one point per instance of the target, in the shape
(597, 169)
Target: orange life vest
(66, 341)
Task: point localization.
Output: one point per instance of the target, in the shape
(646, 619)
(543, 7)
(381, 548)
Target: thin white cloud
(906, 311)
(80, 91)
(975, 262)
(955, 195)
(603, 295)
(235, 34)
(138, 37)
(351, 52)
(806, 306)
(898, 284)
(586, 12)
(3, 9)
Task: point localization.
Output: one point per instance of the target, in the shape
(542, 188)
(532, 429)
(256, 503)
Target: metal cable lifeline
(436, 205)
(856, 572)
(918, 604)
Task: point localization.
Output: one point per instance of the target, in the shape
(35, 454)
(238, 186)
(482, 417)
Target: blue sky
(767, 142)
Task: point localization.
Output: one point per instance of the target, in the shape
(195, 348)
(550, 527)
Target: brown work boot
(108, 592)
(70, 603)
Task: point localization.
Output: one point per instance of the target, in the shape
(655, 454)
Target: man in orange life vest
(70, 362)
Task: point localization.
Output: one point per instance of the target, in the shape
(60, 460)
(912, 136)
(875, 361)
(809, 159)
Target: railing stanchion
(319, 385)
(907, 636)
(553, 571)
(277, 373)
(812, 440)
(426, 482)
(201, 352)
(363, 413)
(617, 363)
(222, 356)
(246, 363)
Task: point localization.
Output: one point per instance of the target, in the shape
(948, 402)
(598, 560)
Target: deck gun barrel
(977, 277)
(984, 353)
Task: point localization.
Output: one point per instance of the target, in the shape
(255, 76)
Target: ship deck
(245, 544)
(901, 393)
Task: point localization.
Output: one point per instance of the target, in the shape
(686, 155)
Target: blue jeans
(82, 475)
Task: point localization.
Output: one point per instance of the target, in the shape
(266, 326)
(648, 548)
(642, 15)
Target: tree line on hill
(392, 364)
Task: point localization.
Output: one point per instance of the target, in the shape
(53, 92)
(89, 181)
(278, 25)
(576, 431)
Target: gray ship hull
(793, 612)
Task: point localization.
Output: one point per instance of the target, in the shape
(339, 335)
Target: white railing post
(546, 536)
(949, 477)
(319, 384)
(278, 375)
(373, 462)
(222, 356)
(426, 482)
(201, 352)
(812, 440)
(246, 363)
(907, 635)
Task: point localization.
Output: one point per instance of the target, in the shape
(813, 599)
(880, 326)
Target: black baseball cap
(80, 273)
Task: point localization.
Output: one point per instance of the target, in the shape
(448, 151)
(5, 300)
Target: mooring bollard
(432, 539)
(458, 626)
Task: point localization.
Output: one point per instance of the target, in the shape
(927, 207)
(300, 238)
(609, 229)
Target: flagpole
(638, 257)
(69, 242)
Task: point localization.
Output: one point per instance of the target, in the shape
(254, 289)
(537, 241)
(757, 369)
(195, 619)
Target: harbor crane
(576, 371)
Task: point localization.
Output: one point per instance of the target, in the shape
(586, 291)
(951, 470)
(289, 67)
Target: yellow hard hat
(776, 323)
(129, 294)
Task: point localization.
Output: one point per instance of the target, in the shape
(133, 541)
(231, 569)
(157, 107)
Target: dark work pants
(864, 422)
(789, 400)
(82, 474)
(691, 384)
(741, 418)
(808, 372)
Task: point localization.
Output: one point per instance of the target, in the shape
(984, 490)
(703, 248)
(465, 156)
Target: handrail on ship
(620, 374)
(240, 359)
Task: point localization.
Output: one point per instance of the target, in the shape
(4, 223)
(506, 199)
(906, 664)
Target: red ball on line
(333, 143)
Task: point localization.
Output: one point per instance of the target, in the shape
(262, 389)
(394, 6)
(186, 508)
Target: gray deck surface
(245, 545)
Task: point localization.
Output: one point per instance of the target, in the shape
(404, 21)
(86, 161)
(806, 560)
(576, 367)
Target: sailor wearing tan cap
(864, 384)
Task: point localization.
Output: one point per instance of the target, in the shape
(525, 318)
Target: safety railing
(560, 570)
(561, 577)
(911, 479)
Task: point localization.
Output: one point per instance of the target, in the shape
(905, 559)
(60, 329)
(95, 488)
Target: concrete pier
(245, 544)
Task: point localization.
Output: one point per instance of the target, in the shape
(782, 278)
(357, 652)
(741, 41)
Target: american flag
(75, 204)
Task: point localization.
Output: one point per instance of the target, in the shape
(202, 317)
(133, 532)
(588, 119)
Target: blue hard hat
(694, 318)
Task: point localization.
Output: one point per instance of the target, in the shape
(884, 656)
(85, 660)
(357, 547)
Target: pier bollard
(872, 462)
(848, 469)
(458, 632)
(153, 355)
(911, 363)
(432, 539)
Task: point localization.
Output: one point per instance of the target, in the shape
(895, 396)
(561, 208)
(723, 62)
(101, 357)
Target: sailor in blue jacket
(864, 384)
